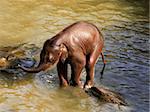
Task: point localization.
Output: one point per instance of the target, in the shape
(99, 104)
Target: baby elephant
(79, 45)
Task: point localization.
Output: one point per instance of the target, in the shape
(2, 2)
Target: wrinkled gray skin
(79, 45)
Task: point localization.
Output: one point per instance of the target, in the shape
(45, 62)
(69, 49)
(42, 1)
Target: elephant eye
(51, 58)
(51, 61)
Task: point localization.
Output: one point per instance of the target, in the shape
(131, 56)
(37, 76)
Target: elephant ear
(64, 53)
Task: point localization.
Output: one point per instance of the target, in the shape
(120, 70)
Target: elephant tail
(104, 62)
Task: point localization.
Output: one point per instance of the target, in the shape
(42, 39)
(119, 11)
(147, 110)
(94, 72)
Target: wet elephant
(79, 45)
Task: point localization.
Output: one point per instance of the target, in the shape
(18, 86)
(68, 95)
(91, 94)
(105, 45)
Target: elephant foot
(87, 86)
(75, 84)
(64, 83)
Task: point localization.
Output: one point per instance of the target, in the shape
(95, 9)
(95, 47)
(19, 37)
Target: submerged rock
(21, 54)
(12, 65)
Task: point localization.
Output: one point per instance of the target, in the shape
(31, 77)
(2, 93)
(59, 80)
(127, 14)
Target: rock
(11, 56)
(27, 62)
(106, 95)
(11, 65)
(3, 62)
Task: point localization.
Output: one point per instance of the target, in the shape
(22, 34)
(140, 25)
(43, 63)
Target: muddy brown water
(125, 26)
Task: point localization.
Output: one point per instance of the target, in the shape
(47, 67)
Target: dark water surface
(125, 26)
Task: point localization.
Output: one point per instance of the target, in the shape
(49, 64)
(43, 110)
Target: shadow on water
(125, 26)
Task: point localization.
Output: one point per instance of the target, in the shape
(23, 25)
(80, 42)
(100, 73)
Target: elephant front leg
(62, 74)
(76, 69)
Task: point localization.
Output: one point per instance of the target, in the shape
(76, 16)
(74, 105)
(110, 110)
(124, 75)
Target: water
(125, 27)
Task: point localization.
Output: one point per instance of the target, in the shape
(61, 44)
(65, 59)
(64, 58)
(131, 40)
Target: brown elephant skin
(79, 45)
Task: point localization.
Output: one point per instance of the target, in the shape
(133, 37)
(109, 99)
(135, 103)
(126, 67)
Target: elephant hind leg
(62, 74)
(91, 60)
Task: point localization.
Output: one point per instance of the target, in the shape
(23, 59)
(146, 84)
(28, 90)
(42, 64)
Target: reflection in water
(125, 27)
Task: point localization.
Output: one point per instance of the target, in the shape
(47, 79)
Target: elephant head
(49, 57)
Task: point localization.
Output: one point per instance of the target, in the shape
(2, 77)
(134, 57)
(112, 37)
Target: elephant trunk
(37, 69)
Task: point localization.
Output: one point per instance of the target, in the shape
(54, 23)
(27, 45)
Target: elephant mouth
(50, 66)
